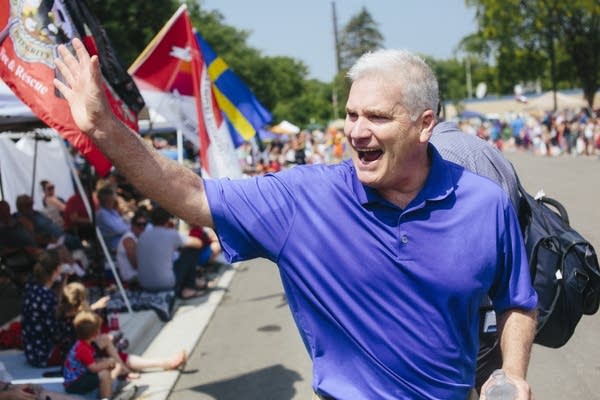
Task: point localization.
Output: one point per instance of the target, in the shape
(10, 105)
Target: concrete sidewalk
(181, 333)
(148, 336)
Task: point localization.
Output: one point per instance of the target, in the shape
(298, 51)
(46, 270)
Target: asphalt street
(251, 349)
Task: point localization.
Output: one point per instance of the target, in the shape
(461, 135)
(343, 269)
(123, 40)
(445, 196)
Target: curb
(181, 333)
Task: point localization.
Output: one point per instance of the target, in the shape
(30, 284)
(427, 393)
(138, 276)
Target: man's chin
(368, 178)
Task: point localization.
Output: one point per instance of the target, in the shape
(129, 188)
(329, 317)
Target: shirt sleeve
(512, 287)
(84, 354)
(252, 217)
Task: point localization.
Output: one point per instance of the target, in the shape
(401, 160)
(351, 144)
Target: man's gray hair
(419, 86)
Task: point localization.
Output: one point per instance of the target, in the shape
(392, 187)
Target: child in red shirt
(83, 371)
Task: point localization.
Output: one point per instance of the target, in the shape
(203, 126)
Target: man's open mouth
(369, 155)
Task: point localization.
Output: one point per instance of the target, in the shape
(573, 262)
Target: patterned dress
(39, 324)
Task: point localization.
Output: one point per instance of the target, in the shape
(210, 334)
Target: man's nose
(360, 129)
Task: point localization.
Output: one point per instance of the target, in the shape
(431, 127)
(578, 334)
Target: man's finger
(64, 70)
(62, 88)
(95, 70)
(81, 51)
(69, 61)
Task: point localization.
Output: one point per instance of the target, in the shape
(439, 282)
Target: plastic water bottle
(501, 388)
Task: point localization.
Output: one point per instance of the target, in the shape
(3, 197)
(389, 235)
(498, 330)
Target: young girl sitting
(74, 299)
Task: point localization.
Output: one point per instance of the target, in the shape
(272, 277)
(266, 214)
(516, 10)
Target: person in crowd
(18, 249)
(45, 232)
(127, 248)
(41, 332)
(77, 220)
(74, 299)
(480, 157)
(156, 248)
(211, 249)
(42, 229)
(84, 370)
(111, 224)
(54, 206)
(384, 270)
(8, 391)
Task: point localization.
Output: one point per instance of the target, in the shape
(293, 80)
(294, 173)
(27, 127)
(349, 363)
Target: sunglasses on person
(140, 224)
(49, 187)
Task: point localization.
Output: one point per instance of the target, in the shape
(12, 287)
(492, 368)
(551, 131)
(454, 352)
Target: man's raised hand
(82, 87)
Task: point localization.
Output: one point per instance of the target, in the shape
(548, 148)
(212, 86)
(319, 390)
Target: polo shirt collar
(438, 186)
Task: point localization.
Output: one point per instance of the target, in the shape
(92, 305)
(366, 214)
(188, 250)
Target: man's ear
(427, 123)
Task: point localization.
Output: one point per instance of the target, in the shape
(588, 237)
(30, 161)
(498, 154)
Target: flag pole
(35, 151)
(1, 186)
(88, 208)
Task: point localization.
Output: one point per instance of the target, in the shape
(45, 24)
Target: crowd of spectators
(549, 134)
(45, 251)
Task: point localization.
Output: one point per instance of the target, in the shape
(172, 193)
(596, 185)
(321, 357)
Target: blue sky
(303, 29)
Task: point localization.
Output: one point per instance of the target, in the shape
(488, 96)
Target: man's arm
(176, 188)
(517, 330)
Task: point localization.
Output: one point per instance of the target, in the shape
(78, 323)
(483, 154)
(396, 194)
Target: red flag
(29, 36)
(172, 76)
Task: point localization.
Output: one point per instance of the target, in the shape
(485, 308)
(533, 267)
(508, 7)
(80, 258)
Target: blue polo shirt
(386, 299)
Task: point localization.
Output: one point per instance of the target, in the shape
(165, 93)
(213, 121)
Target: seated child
(84, 371)
(73, 300)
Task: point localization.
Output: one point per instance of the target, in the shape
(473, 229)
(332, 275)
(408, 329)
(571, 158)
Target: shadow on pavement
(271, 383)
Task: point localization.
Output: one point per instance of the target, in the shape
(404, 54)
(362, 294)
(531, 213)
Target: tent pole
(35, 151)
(88, 208)
(1, 186)
(180, 146)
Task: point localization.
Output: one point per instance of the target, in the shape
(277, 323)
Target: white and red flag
(30, 32)
(173, 79)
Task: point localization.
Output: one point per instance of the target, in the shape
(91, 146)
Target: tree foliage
(131, 25)
(532, 38)
(359, 36)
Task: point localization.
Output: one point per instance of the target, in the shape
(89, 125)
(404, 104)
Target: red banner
(29, 37)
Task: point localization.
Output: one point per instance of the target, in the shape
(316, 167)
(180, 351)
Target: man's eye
(351, 115)
(379, 118)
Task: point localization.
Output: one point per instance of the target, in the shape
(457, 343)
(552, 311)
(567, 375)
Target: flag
(173, 78)
(30, 33)
(245, 114)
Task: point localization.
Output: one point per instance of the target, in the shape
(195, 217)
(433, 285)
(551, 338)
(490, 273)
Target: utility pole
(468, 72)
(335, 38)
(334, 99)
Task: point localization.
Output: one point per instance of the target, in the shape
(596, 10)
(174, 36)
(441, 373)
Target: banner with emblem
(30, 32)
(173, 78)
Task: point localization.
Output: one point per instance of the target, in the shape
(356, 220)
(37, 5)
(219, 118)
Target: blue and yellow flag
(244, 113)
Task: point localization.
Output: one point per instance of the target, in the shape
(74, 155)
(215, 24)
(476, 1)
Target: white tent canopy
(286, 128)
(545, 102)
(12, 109)
(16, 166)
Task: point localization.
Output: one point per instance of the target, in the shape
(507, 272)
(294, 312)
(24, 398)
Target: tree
(280, 83)
(529, 36)
(359, 36)
(581, 28)
(131, 25)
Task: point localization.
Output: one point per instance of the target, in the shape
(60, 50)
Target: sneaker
(126, 393)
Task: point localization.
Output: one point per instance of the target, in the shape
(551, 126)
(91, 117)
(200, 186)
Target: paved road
(251, 349)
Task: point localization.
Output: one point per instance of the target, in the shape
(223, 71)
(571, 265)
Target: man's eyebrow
(379, 112)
